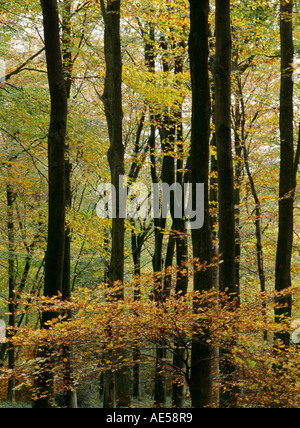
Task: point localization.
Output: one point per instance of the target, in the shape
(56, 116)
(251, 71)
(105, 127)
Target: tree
(54, 263)
(11, 286)
(288, 165)
(222, 84)
(112, 101)
(226, 214)
(201, 372)
(68, 65)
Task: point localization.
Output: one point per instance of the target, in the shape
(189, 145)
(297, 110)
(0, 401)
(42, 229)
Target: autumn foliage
(101, 325)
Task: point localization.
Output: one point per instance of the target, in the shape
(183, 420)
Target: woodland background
(141, 313)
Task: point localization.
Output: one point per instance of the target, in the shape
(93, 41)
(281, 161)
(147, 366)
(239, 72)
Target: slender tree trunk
(166, 132)
(69, 392)
(238, 169)
(242, 154)
(137, 241)
(222, 82)
(201, 364)
(182, 279)
(11, 289)
(241, 141)
(163, 282)
(112, 101)
(286, 180)
(258, 233)
(213, 200)
(54, 262)
(136, 254)
(226, 208)
(179, 357)
(170, 128)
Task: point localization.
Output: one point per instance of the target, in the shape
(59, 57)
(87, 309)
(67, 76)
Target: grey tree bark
(201, 364)
(119, 387)
(226, 200)
(287, 181)
(54, 261)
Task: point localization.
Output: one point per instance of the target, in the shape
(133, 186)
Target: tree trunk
(213, 195)
(137, 241)
(238, 170)
(54, 262)
(286, 181)
(112, 101)
(222, 82)
(182, 279)
(11, 289)
(179, 356)
(227, 270)
(70, 394)
(201, 367)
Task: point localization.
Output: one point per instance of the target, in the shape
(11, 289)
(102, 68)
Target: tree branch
(22, 66)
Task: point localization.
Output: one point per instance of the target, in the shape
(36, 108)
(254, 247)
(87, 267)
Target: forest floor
(6, 405)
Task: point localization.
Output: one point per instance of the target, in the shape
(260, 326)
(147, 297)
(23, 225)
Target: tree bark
(201, 367)
(11, 289)
(286, 180)
(54, 262)
(56, 151)
(226, 208)
(112, 101)
(70, 394)
(222, 82)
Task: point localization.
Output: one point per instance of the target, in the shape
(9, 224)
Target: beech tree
(226, 208)
(54, 262)
(112, 101)
(222, 83)
(288, 165)
(201, 374)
